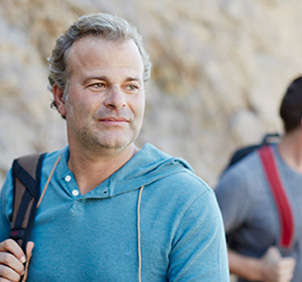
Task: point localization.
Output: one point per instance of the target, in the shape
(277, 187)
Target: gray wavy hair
(104, 25)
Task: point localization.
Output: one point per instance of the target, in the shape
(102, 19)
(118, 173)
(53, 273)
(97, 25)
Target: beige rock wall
(220, 68)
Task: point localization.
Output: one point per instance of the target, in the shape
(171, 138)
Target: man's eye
(98, 85)
(132, 87)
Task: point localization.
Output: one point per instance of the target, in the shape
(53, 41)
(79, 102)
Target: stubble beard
(98, 144)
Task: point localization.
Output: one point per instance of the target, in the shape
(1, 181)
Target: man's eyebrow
(102, 77)
(133, 79)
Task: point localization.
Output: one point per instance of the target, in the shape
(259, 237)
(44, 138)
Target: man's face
(105, 101)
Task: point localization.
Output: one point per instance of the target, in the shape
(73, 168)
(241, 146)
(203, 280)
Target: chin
(100, 142)
(115, 145)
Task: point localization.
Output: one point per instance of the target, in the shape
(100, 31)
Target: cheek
(74, 111)
(140, 105)
(79, 108)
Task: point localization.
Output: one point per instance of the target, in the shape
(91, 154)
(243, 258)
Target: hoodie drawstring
(48, 180)
(139, 251)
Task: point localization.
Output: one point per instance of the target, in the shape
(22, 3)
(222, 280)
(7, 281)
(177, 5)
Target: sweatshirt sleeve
(233, 197)
(199, 248)
(6, 200)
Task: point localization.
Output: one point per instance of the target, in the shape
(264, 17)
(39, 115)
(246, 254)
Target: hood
(145, 167)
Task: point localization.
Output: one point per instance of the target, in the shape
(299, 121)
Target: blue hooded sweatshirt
(152, 220)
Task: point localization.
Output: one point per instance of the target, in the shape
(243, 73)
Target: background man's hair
(100, 25)
(291, 106)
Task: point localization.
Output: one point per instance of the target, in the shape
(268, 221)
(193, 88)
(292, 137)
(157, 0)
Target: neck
(290, 149)
(91, 168)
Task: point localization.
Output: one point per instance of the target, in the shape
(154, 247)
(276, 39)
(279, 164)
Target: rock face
(219, 71)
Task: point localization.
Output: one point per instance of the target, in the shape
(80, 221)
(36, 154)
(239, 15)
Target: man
(113, 212)
(249, 210)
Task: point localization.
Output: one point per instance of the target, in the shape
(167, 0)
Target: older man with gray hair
(112, 211)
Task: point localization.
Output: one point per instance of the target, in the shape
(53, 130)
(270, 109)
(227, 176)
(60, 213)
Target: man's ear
(59, 99)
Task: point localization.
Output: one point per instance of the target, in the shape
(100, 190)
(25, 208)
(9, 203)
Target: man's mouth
(113, 121)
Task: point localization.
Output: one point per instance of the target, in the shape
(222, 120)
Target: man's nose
(115, 98)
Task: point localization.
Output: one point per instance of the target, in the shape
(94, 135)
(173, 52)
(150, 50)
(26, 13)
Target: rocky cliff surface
(219, 70)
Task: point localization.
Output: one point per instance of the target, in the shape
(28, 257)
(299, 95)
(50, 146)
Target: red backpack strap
(285, 213)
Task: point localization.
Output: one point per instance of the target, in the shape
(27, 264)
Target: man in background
(112, 211)
(250, 214)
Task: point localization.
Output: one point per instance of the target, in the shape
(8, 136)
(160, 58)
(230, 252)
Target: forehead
(92, 53)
